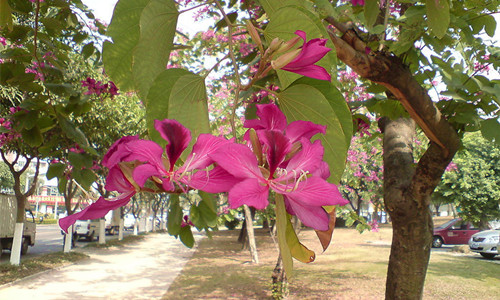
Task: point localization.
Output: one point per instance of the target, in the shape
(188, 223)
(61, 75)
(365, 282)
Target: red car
(454, 232)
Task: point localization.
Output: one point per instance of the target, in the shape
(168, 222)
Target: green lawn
(354, 267)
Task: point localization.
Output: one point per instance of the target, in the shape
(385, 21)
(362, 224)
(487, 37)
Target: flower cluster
(282, 159)
(98, 88)
(133, 163)
(278, 157)
(7, 133)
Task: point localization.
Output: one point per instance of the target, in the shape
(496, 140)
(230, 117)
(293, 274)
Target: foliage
(474, 185)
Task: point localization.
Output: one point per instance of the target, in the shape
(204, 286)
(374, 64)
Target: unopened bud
(285, 59)
(254, 34)
(256, 146)
(275, 44)
(288, 45)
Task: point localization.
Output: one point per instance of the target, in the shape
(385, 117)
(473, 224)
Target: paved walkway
(139, 271)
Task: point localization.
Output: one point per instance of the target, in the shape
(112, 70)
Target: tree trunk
(280, 282)
(251, 236)
(412, 223)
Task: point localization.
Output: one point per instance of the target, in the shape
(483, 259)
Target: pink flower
(304, 194)
(3, 41)
(270, 117)
(152, 165)
(358, 2)
(116, 181)
(312, 52)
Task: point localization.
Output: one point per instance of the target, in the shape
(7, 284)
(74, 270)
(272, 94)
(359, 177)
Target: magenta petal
(116, 181)
(144, 151)
(143, 172)
(96, 210)
(323, 171)
(249, 192)
(312, 71)
(313, 216)
(238, 160)
(315, 191)
(177, 136)
(199, 159)
(270, 118)
(308, 159)
(116, 153)
(312, 51)
(217, 180)
(303, 129)
(276, 146)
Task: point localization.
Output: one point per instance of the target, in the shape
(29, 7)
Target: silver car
(485, 243)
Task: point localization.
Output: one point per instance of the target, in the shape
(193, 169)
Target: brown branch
(389, 71)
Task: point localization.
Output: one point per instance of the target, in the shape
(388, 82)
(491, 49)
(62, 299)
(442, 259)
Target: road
(49, 239)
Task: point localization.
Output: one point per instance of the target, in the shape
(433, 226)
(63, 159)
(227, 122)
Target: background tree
(474, 186)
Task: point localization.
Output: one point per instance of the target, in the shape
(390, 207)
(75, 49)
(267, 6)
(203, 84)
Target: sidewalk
(138, 271)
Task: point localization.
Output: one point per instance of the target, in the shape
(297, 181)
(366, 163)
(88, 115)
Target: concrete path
(139, 271)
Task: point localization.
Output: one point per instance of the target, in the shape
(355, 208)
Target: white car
(485, 243)
(87, 229)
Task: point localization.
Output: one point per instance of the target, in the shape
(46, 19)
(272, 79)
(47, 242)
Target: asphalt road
(49, 239)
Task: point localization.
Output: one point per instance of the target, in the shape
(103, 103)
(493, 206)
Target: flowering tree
(292, 151)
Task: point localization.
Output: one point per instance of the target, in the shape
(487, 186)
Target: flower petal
(144, 151)
(143, 172)
(312, 71)
(238, 160)
(312, 51)
(116, 181)
(177, 136)
(199, 159)
(315, 191)
(308, 159)
(270, 118)
(249, 192)
(313, 216)
(116, 153)
(277, 146)
(303, 129)
(217, 180)
(96, 210)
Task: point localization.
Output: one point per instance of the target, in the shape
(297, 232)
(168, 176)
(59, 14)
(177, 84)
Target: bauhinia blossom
(300, 179)
(303, 62)
(132, 162)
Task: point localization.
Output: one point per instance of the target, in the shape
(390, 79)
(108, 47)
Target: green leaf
(32, 136)
(174, 215)
(125, 32)
(438, 16)
(157, 29)
(71, 130)
(337, 102)
(304, 102)
(298, 251)
(371, 11)
(491, 130)
(283, 27)
(88, 50)
(84, 177)
(272, 6)
(187, 236)
(5, 14)
(281, 223)
(56, 170)
(178, 94)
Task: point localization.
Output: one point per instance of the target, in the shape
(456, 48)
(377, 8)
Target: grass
(354, 267)
(9, 273)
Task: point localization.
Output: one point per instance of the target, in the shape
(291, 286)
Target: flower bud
(254, 34)
(275, 44)
(288, 45)
(256, 146)
(285, 59)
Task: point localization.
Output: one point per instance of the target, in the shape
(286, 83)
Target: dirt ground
(143, 270)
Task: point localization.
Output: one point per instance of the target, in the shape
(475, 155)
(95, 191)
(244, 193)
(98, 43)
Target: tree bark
(251, 236)
(407, 189)
(280, 282)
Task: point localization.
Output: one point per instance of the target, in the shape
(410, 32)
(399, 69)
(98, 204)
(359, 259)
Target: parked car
(485, 243)
(454, 232)
(87, 229)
